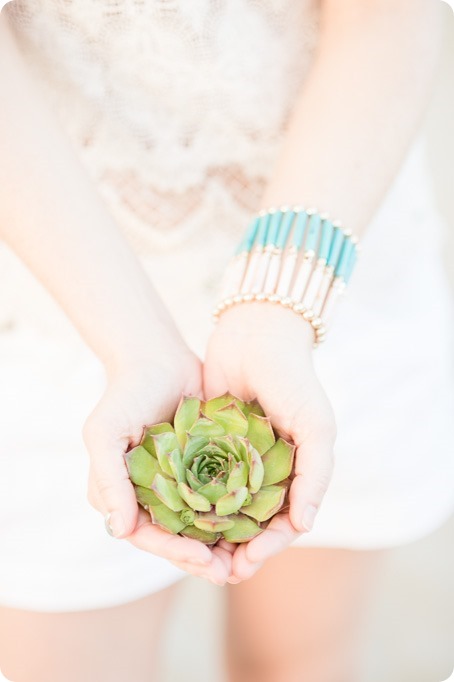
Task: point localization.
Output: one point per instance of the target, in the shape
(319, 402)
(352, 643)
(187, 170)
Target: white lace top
(177, 107)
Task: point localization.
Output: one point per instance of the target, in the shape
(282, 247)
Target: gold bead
(317, 322)
(299, 308)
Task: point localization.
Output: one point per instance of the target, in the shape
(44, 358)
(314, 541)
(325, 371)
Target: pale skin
(364, 72)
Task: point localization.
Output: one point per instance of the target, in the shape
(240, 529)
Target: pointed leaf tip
(186, 415)
(231, 503)
(193, 499)
(266, 503)
(232, 419)
(260, 433)
(167, 492)
(142, 466)
(244, 530)
(278, 462)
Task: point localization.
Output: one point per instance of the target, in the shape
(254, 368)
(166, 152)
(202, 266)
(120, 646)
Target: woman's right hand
(144, 390)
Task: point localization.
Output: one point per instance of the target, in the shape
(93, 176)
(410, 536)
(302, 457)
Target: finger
(151, 538)
(217, 572)
(111, 491)
(242, 567)
(313, 468)
(277, 537)
(229, 546)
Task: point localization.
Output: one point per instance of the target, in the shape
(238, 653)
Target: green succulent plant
(218, 472)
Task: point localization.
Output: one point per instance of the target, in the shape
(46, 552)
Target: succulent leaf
(256, 470)
(194, 500)
(164, 444)
(142, 466)
(213, 490)
(252, 407)
(206, 427)
(146, 497)
(176, 465)
(148, 442)
(211, 406)
(187, 413)
(278, 462)
(244, 530)
(202, 535)
(231, 419)
(193, 445)
(227, 444)
(260, 433)
(232, 502)
(193, 481)
(266, 503)
(166, 518)
(238, 476)
(167, 492)
(213, 523)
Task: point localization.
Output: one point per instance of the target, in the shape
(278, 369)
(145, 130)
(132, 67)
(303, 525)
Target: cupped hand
(263, 350)
(144, 391)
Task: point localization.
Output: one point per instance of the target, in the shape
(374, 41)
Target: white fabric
(178, 110)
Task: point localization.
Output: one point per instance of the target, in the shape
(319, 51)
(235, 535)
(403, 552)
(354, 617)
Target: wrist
(149, 345)
(259, 320)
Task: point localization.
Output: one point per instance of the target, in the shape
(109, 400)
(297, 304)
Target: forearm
(360, 107)
(53, 218)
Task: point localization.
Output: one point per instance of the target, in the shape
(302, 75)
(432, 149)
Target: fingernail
(233, 581)
(309, 516)
(114, 524)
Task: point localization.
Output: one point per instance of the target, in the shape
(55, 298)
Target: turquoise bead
(336, 246)
(313, 232)
(284, 229)
(300, 228)
(325, 240)
(351, 264)
(273, 231)
(262, 234)
(248, 240)
(344, 258)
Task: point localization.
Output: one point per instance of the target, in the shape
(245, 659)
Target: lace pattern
(177, 108)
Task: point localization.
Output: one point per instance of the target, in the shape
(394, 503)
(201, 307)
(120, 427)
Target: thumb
(110, 490)
(313, 470)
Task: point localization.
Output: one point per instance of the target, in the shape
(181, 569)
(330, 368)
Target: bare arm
(357, 112)
(360, 106)
(52, 217)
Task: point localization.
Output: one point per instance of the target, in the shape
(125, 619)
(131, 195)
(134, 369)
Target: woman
(137, 140)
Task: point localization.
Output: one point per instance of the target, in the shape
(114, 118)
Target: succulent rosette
(219, 471)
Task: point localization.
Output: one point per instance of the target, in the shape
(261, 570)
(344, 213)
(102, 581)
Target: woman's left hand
(264, 351)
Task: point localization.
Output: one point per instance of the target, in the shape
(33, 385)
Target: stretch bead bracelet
(294, 256)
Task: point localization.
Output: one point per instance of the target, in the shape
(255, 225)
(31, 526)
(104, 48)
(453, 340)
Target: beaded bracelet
(293, 256)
